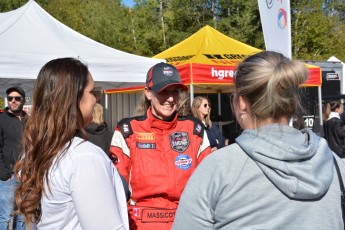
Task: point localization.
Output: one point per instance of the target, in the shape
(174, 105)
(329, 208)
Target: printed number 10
(309, 122)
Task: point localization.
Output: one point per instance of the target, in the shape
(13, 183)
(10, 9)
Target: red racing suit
(157, 158)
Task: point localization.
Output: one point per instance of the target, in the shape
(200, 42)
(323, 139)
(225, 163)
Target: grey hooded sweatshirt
(275, 177)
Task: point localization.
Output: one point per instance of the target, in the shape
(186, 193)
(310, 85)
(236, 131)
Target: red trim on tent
(314, 77)
(201, 74)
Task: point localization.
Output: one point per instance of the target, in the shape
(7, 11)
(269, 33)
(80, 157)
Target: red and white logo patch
(179, 141)
(125, 128)
(168, 71)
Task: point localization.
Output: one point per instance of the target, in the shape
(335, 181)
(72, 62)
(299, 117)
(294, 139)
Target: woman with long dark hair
(65, 181)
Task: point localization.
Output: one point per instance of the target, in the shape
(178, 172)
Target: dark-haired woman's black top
(335, 136)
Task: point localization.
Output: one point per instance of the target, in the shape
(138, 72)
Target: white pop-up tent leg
(319, 92)
(191, 93)
(220, 123)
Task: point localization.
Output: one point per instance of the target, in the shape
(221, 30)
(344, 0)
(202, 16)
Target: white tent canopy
(30, 37)
(342, 79)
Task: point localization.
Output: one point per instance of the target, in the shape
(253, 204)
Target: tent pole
(219, 104)
(319, 92)
(191, 93)
(220, 111)
(106, 101)
(106, 108)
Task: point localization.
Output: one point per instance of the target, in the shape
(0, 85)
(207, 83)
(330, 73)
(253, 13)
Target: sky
(128, 3)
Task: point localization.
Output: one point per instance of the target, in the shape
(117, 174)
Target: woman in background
(275, 176)
(201, 109)
(97, 131)
(183, 107)
(334, 128)
(65, 181)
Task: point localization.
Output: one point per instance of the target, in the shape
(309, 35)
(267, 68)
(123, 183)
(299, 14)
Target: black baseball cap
(17, 89)
(163, 75)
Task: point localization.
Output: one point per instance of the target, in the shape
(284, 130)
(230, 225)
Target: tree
(241, 20)
(146, 26)
(8, 5)
(151, 26)
(100, 20)
(316, 31)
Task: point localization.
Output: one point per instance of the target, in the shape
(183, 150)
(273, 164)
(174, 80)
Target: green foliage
(241, 20)
(146, 28)
(317, 30)
(151, 26)
(8, 5)
(100, 20)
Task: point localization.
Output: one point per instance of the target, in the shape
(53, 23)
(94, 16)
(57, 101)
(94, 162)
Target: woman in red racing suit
(158, 152)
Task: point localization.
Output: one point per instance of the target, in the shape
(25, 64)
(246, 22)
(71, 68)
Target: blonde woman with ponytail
(274, 176)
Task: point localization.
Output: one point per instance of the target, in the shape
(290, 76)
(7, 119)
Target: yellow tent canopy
(207, 60)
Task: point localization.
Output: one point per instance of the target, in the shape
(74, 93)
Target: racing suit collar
(160, 124)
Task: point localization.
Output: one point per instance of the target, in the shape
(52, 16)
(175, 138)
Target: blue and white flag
(276, 25)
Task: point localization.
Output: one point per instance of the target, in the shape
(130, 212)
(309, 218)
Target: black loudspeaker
(330, 84)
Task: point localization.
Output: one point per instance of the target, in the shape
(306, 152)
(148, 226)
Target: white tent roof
(335, 59)
(30, 37)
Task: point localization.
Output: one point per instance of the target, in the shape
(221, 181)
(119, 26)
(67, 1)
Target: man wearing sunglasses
(11, 127)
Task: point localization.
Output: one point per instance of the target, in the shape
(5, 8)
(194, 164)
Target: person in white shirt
(65, 181)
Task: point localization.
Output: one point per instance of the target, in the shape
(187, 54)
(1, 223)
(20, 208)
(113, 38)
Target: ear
(148, 94)
(242, 104)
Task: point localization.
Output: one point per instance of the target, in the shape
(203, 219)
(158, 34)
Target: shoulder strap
(198, 125)
(125, 125)
(342, 190)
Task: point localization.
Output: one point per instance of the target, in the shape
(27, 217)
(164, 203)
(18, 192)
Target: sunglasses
(19, 99)
(206, 105)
